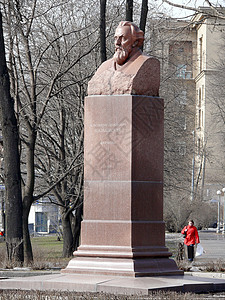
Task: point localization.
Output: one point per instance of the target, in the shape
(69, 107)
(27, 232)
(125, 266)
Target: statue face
(123, 44)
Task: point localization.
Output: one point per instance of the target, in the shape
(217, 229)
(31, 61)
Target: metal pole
(223, 190)
(218, 220)
(193, 169)
(223, 231)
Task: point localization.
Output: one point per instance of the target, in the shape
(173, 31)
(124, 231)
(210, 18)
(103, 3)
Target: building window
(180, 58)
(199, 146)
(182, 121)
(200, 114)
(41, 222)
(200, 54)
(180, 50)
(181, 148)
(200, 97)
(203, 90)
(202, 119)
(182, 98)
(199, 118)
(180, 71)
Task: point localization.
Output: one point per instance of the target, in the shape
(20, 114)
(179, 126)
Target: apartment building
(210, 125)
(191, 54)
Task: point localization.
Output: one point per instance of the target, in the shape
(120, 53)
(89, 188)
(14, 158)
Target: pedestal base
(123, 267)
(123, 232)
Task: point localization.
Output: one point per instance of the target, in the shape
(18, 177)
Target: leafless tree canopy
(53, 48)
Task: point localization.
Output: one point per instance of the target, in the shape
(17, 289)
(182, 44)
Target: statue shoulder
(147, 78)
(148, 64)
(105, 66)
(138, 63)
(149, 59)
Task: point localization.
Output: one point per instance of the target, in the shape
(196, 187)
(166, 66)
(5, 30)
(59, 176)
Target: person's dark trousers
(190, 250)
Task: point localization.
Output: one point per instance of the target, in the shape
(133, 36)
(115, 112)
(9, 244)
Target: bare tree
(102, 30)
(129, 10)
(61, 142)
(12, 176)
(38, 80)
(213, 11)
(144, 14)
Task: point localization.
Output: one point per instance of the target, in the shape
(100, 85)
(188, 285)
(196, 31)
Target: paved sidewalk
(115, 285)
(214, 245)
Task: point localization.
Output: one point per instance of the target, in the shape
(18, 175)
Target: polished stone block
(123, 232)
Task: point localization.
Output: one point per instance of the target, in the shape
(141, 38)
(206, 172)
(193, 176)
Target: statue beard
(121, 55)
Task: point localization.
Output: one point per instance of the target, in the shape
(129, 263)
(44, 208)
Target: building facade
(44, 217)
(209, 125)
(190, 54)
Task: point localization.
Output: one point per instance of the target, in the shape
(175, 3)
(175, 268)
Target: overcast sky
(176, 12)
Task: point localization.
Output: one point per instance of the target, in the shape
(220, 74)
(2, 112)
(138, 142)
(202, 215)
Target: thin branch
(202, 11)
(182, 6)
(56, 39)
(32, 18)
(60, 179)
(75, 202)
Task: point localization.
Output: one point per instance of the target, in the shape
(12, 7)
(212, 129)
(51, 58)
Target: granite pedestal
(123, 232)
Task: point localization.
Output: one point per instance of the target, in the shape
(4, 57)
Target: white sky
(176, 12)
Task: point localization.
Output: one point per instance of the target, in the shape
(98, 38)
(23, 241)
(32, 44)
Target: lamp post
(223, 191)
(218, 220)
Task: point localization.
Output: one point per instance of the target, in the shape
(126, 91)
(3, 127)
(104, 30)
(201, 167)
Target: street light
(223, 191)
(218, 220)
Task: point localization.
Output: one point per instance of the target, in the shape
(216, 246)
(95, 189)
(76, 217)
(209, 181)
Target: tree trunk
(3, 210)
(67, 235)
(13, 203)
(28, 254)
(28, 195)
(102, 31)
(129, 10)
(144, 13)
(77, 229)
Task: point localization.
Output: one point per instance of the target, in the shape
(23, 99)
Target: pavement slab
(196, 282)
(115, 285)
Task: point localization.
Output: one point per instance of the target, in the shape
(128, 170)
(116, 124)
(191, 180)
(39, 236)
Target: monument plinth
(123, 232)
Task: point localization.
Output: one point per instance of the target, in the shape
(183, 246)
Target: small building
(44, 217)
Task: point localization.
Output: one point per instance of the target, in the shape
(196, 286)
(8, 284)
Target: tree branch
(182, 6)
(218, 14)
(60, 179)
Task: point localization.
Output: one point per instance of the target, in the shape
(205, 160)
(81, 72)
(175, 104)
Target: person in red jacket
(191, 238)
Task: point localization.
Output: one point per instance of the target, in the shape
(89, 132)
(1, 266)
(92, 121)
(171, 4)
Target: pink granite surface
(114, 285)
(123, 232)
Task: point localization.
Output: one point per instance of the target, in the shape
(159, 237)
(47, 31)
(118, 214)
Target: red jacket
(192, 235)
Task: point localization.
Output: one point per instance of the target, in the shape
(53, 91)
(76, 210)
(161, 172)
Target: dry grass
(47, 252)
(215, 266)
(56, 295)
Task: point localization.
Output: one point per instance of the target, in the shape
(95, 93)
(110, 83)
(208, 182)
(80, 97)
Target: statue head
(128, 39)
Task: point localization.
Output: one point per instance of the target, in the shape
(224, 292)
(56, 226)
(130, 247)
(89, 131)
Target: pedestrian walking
(191, 238)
